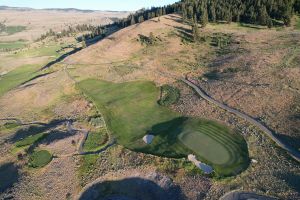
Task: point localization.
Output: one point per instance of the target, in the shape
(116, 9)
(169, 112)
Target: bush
(169, 95)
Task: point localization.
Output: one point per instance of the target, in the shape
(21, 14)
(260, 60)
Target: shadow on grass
(132, 189)
(166, 143)
(56, 135)
(34, 129)
(9, 175)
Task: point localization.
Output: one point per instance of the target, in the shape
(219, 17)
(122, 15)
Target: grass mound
(31, 140)
(39, 159)
(169, 95)
(95, 140)
(131, 111)
(10, 125)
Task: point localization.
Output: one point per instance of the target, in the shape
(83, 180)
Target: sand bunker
(204, 167)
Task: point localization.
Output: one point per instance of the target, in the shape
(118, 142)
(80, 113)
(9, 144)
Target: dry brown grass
(40, 21)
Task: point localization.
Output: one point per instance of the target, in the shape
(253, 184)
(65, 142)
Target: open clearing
(131, 111)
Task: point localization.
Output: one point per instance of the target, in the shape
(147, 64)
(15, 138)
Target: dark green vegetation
(169, 95)
(145, 40)
(31, 140)
(9, 126)
(298, 22)
(95, 140)
(16, 77)
(9, 175)
(270, 13)
(255, 11)
(12, 45)
(131, 111)
(39, 159)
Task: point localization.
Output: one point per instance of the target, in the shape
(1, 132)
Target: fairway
(12, 45)
(16, 77)
(131, 111)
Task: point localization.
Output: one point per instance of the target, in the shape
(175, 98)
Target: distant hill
(57, 9)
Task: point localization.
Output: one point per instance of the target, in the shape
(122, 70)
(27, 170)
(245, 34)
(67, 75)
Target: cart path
(291, 151)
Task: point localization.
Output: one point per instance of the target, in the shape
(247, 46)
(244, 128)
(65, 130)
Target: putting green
(131, 111)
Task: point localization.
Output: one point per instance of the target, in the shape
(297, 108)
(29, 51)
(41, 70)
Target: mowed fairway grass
(16, 77)
(131, 111)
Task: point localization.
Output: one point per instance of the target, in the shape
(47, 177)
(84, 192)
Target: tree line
(262, 12)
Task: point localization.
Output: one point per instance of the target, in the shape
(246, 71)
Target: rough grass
(9, 126)
(169, 95)
(16, 77)
(297, 23)
(12, 45)
(30, 140)
(40, 159)
(87, 164)
(95, 140)
(45, 50)
(131, 111)
(10, 30)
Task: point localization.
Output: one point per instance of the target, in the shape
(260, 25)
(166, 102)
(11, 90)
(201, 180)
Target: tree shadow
(167, 132)
(293, 141)
(34, 129)
(132, 189)
(9, 175)
(291, 179)
(56, 135)
(34, 78)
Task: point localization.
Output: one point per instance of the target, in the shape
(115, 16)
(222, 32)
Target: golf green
(131, 111)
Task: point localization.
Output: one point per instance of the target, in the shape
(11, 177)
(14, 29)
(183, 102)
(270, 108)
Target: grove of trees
(262, 12)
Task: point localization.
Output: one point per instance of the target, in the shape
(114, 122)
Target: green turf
(30, 140)
(12, 45)
(10, 30)
(95, 140)
(16, 77)
(46, 50)
(39, 159)
(9, 125)
(298, 22)
(131, 111)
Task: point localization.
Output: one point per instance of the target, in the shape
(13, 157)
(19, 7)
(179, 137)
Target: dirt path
(294, 153)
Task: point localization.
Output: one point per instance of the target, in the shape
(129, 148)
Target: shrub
(169, 95)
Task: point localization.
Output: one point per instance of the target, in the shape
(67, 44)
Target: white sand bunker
(204, 167)
(148, 139)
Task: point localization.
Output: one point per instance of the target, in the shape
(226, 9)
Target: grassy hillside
(16, 77)
(131, 111)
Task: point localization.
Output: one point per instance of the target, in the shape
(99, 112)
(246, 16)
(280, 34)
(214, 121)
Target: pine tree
(204, 16)
(83, 43)
(132, 21)
(195, 29)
